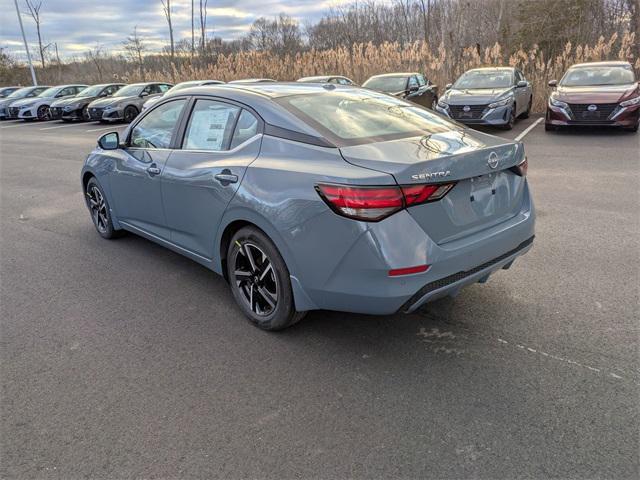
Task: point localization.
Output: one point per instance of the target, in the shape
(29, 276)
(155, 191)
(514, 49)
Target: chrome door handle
(226, 177)
(153, 170)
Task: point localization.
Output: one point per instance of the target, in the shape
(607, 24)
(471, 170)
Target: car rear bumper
(491, 116)
(361, 282)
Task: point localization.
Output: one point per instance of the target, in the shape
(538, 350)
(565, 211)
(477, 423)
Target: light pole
(26, 46)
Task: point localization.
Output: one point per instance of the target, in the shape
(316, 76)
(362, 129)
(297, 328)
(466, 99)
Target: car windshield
(130, 90)
(20, 93)
(601, 75)
(92, 91)
(387, 84)
(484, 79)
(182, 85)
(352, 118)
(50, 92)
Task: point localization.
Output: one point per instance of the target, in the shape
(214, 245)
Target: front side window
(413, 82)
(211, 126)
(156, 129)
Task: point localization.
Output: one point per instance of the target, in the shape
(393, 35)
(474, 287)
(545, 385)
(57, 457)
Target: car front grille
(55, 112)
(96, 113)
(13, 111)
(599, 112)
(456, 277)
(3, 111)
(474, 111)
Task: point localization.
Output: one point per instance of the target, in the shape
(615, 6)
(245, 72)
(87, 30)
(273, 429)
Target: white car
(37, 108)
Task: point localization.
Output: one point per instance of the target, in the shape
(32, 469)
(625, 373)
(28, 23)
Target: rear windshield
(600, 75)
(352, 118)
(485, 79)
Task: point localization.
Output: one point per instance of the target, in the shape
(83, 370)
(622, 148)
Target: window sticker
(207, 128)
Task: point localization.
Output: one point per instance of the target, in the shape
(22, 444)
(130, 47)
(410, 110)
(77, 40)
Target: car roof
(319, 78)
(260, 97)
(397, 74)
(489, 69)
(613, 63)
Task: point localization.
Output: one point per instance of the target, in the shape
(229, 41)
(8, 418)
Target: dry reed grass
(439, 65)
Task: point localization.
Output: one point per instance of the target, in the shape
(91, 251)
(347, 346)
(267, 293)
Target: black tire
(99, 210)
(43, 112)
(527, 112)
(66, 120)
(85, 114)
(548, 127)
(130, 113)
(259, 280)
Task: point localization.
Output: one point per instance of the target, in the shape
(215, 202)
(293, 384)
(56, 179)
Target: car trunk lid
(486, 191)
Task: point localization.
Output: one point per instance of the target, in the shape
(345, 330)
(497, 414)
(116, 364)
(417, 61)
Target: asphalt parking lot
(121, 359)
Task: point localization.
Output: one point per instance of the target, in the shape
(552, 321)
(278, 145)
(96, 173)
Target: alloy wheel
(43, 112)
(256, 279)
(98, 208)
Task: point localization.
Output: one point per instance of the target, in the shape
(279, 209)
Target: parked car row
(597, 93)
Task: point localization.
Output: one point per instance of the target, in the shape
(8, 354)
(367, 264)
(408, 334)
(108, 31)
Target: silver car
(180, 86)
(309, 196)
(493, 96)
(126, 103)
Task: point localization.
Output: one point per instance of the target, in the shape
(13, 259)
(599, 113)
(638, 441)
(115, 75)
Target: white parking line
(104, 128)
(57, 126)
(528, 129)
(13, 126)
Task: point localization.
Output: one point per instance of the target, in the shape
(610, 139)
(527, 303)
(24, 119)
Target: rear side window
(211, 126)
(413, 82)
(164, 88)
(246, 127)
(157, 127)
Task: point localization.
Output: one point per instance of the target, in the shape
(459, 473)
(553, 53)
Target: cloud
(79, 25)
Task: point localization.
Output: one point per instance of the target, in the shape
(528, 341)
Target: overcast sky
(76, 25)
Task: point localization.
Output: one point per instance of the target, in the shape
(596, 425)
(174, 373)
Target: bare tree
(135, 47)
(34, 7)
(166, 6)
(193, 31)
(97, 57)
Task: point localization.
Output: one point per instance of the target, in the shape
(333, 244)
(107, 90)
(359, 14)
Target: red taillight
(375, 203)
(362, 203)
(521, 168)
(408, 270)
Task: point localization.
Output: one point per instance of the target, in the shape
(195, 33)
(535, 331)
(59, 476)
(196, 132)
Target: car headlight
(443, 104)
(501, 103)
(557, 103)
(631, 102)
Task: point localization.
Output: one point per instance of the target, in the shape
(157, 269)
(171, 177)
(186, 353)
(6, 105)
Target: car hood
(111, 101)
(595, 93)
(461, 152)
(63, 101)
(5, 102)
(25, 102)
(474, 96)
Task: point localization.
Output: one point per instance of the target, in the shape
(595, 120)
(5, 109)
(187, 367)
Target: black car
(75, 108)
(412, 86)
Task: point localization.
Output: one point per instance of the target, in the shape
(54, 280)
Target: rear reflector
(408, 270)
(521, 168)
(375, 203)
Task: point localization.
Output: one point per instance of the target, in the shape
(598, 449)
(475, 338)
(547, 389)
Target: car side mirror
(522, 84)
(553, 83)
(109, 141)
(144, 94)
(448, 86)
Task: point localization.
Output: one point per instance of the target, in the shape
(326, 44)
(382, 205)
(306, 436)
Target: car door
(135, 180)
(220, 140)
(521, 93)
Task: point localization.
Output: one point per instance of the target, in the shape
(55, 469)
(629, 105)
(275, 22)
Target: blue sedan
(309, 196)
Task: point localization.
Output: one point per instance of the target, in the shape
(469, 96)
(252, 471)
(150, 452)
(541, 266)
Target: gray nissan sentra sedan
(488, 96)
(308, 196)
